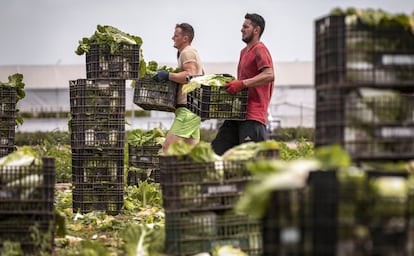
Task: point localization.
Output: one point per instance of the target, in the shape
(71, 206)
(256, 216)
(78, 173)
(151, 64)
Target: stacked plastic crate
(26, 206)
(199, 200)
(98, 128)
(364, 78)
(7, 119)
(346, 212)
(150, 95)
(145, 160)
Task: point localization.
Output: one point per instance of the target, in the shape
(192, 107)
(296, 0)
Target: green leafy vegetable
(107, 35)
(211, 80)
(16, 80)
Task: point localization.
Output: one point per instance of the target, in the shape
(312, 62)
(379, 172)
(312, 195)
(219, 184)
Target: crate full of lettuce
(208, 98)
(111, 53)
(150, 94)
(10, 93)
(195, 178)
(144, 148)
(26, 199)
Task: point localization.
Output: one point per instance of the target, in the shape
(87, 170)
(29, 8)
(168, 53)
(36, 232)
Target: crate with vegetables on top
(207, 97)
(10, 93)
(144, 148)
(111, 53)
(153, 95)
(26, 199)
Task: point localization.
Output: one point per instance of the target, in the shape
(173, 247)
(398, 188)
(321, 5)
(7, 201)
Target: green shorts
(186, 124)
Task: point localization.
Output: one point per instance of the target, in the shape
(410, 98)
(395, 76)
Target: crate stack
(7, 119)
(98, 128)
(199, 200)
(341, 213)
(364, 78)
(27, 206)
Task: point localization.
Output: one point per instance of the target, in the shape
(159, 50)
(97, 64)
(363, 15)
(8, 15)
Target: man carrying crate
(186, 125)
(255, 72)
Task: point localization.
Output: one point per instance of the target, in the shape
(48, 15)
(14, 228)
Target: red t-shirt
(250, 64)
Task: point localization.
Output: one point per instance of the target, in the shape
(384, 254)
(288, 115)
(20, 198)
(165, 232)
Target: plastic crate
(100, 96)
(123, 64)
(98, 180)
(105, 198)
(349, 53)
(282, 225)
(144, 157)
(27, 200)
(7, 119)
(370, 123)
(187, 185)
(148, 175)
(347, 216)
(190, 233)
(152, 95)
(214, 102)
(103, 132)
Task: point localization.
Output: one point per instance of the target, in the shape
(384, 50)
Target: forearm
(180, 77)
(264, 77)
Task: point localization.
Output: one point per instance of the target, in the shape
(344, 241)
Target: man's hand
(161, 76)
(235, 86)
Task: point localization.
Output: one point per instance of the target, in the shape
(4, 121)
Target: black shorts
(232, 133)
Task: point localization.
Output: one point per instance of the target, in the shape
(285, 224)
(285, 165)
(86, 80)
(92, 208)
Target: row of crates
(7, 119)
(208, 102)
(27, 205)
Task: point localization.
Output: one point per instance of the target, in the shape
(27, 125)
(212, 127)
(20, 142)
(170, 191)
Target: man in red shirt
(255, 72)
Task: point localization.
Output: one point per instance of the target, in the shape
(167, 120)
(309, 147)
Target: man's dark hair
(187, 30)
(257, 20)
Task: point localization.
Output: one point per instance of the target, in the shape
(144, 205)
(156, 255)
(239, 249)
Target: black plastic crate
(26, 200)
(98, 180)
(100, 96)
(282, 225)
(7, 134)
(190, 233)
(187, 185)
(349, 53)
(370, 123)
(109, 199)
(152, 95)
(103, 132)
(346, 216)
(7, 119)
(8, 102)
(96, 167)
(144, 157)
(136, 175)
(214, 102)
(123, 64)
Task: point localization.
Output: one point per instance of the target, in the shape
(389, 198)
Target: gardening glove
(235, 86)
(162, 76)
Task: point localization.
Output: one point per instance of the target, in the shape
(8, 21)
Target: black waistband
(181, 105)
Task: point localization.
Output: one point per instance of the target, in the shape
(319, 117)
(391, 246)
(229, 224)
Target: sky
(46, 32)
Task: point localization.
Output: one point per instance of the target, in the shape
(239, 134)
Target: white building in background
(293, 101)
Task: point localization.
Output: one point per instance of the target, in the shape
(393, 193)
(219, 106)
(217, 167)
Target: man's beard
(248, 39)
